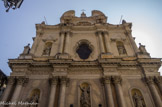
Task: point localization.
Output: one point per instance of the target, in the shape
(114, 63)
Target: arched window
(85, 100)
(121, 48)
(84, 51)
(137, 97)
(47, 48)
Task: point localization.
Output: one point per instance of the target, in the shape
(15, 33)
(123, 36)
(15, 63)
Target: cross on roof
(83, 10)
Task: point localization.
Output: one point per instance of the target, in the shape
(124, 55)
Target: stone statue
(34, 99)
(142, 48)
(123, 22)
(47, 50)
(138, 100)
(85, 97)
(121, 50)
(26, 49)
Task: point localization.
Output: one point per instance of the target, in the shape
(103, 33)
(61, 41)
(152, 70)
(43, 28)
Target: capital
(158, 79)
(116, 79)
(21, 80)
(149, 80)
(98, 32)
(54, 80)
(11, 80)
(107, 80)
(63, 79)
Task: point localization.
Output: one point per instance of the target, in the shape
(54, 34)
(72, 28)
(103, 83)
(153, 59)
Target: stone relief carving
(85, 95)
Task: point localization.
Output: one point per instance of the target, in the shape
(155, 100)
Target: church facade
(84, 62)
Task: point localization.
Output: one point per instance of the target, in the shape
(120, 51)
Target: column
(67, 43)
(119, 92)
(107, 42)
(20, 82)
(154, 93)
(101, 42)
(7, 92)
(63, 81)
(158, 80)
(108, 91)
(54, 82)
(62, 34)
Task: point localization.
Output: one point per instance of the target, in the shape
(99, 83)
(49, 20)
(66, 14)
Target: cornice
(111, 62)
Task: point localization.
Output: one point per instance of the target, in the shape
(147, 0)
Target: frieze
(130, 72)
(84, 71)
(150, 69)
(60, 69)
(38, 72)
(107, 69)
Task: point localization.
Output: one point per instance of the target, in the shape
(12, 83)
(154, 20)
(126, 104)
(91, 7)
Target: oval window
(84, 51)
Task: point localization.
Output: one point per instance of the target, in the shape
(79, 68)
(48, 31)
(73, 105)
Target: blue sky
(17, 27)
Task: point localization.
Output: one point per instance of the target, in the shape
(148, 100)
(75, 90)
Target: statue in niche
(47, 50)
(26, 49)
(34, 99)
(85, 96)
(121, 50)
(138, 100)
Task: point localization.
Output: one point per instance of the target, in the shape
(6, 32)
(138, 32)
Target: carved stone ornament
(116, 79)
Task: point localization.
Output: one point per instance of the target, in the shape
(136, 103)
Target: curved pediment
(69, 18)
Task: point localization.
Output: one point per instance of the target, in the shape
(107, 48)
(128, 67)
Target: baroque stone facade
(84, 62)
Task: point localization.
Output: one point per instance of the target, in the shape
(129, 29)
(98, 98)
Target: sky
(17, 27)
